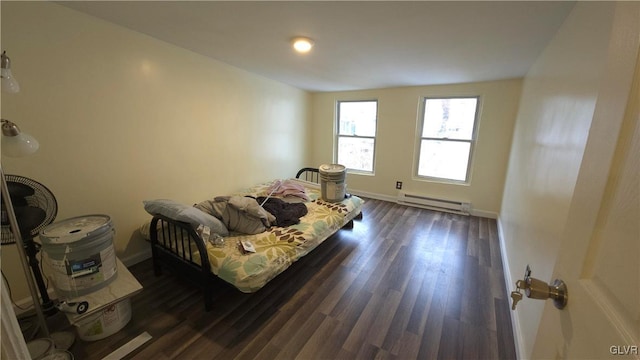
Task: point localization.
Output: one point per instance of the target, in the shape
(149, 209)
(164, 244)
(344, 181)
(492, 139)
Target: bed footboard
(177, 245)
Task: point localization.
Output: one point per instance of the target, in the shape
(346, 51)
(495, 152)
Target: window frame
(472, 142)
(338, 136)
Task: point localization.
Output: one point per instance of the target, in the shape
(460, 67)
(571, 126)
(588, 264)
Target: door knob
(538, 289)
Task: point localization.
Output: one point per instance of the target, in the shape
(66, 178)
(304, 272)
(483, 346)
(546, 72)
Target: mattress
(279, 247)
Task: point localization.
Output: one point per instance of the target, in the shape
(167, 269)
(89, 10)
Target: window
(357, 134)
(447, 138)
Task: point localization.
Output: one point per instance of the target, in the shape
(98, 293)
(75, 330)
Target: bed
(176, 243)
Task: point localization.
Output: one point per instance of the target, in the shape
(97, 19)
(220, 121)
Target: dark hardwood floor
(404, 283)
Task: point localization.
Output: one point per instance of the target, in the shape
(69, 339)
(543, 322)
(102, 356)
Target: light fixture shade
(9, 83)
(21, 145)
(16, 143)
(302, 44)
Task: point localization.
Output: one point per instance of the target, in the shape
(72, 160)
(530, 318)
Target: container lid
(38, 348)
(74, 229)
(331, 168)
(63, 339)
(59, 354)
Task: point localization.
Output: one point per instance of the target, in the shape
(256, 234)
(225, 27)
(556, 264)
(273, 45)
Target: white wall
(122, 117)
(556, 112)
(396, 139)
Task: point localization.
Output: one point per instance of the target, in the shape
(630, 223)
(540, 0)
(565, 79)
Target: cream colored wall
(396, 141)
(556, 112)
(122, 117)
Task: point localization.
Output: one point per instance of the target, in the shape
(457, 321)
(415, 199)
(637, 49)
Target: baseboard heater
(452, 206)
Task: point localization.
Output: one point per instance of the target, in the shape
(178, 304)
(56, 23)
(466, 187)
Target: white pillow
(189, 214)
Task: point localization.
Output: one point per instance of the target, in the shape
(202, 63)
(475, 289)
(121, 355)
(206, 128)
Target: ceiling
(358, 45)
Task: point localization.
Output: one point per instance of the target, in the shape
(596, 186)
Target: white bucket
(332, 182)
(105, 322)
(80, 254)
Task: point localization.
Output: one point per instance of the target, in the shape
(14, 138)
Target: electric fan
(35, 208)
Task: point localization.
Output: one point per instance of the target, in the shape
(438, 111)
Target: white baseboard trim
(393, 199)
(373, 195)
(129, 347)
(484, 213)
(515, 322)
(133, 259)
(25, 305)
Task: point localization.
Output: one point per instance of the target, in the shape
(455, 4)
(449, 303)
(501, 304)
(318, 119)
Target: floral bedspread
(278, 247)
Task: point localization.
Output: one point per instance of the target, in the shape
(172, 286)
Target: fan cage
(42, 198)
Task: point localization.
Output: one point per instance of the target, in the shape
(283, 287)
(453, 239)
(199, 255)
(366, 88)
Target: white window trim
(472, 142)
(337, 135)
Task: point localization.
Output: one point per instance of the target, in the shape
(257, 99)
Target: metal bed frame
(174, 248)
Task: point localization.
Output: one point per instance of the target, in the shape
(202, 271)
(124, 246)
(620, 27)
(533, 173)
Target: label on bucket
(106, 322)
(334, 191)
(331, 190)
(80, 274)
(84, 267)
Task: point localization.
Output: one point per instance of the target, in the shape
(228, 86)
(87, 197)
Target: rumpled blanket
(288, 188)
(239, 213)
(286, 213)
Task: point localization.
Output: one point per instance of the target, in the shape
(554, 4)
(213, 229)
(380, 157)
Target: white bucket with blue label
(80, 255)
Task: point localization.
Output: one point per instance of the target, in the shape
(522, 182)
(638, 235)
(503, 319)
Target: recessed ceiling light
(302, 44)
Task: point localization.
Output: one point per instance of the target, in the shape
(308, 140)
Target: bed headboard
(309, 174)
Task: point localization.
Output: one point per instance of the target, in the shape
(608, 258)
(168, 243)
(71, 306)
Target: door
(599, 256)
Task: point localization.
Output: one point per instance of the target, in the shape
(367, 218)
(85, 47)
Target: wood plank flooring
(404, 283)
